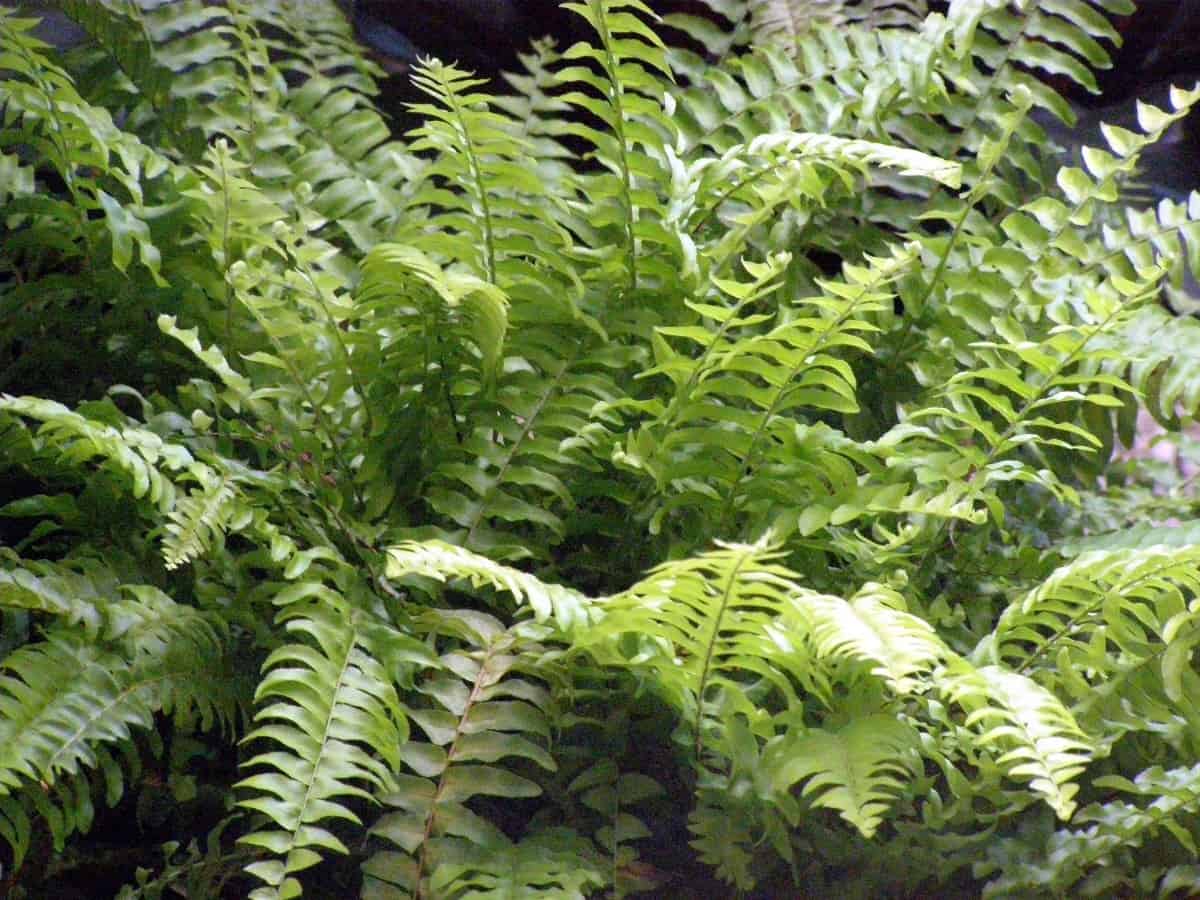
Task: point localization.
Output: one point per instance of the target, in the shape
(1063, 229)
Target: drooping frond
(137, 455)
(1036, 735)
(441, 561)
(857, 770)
(1111, 625)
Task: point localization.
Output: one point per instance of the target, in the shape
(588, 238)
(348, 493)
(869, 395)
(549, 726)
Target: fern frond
(1000, 47)
(732, 420)
(1140, 536)
(329, 707)
(442, 561)
(492, 213)
(78, 596)
(709, 626)
(1038, 737)
(102, 166)
(138, 455)
(200, 519)
(786, 21)
(66, 701)
(1062, 861)
(625, 98)
(1122, 599)
(722, 841)
(475, 711)
(394, 273)
(857, 770)
(237, 385)
(552, 863)
(874, 627)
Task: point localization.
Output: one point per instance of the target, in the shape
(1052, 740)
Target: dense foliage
(664, 472)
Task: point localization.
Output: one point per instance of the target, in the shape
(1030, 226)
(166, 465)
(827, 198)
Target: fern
(326, 700)
(856, 770)
(473, 715)
(677, 444)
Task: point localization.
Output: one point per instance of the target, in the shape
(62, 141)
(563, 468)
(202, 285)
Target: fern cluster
(667, 450)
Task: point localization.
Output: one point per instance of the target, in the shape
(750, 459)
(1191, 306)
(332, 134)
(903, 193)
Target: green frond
(1062, 861)
(68, 701)
(730, 427)
(499, 210)
(1140, 536)
(237, 385)
(742, 422)
(999, 46)
(1153, 357)
(875, 628)
(709, 626)
(605, 790)
(443, 562)
(722, 842)
(103, 167)
(857, 770)
(200, 519)
(1119, 602)
(556, 863)
(334, 721)
(625, 97)
(1037, 736)
(409, 281)
(78, 595)
(1107, 627)
(480, 705)
(138, 455)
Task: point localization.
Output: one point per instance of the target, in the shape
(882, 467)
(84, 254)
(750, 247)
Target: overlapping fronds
(68, 703)
(776, 368)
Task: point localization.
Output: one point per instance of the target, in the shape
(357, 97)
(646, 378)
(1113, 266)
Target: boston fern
(660, 472)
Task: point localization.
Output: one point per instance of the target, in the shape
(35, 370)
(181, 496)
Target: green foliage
(672, 449)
